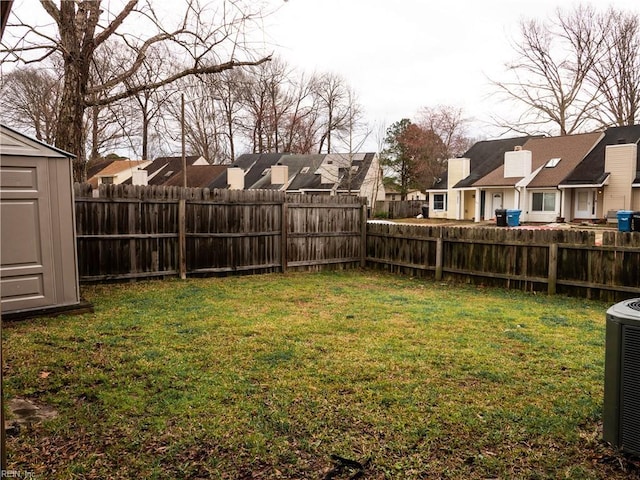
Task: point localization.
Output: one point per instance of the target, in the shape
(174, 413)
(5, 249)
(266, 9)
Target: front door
(496, 203)
(585, 204)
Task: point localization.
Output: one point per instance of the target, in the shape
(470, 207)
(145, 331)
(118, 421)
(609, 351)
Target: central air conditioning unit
(621, 419)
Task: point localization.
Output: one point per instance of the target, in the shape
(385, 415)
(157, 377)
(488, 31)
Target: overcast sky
(402, 55)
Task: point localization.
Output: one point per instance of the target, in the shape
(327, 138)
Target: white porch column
(478, 212)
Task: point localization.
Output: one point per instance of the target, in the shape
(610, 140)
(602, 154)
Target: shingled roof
(487, 156)
(484, 156)
(591, 170)
(303, 171)
(163, 168)
(197, 175)
(569, 149)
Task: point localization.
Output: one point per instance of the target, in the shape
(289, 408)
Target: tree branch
(129, 92)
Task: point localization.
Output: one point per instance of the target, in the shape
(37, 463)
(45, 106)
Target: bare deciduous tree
(228, 88)
(450, 125)
(332, 92)
(29, 102)
(207, 36)
(203, 119)
(549, 74)
(301, 122)
(616, 74)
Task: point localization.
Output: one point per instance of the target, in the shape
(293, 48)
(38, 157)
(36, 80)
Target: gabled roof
(166, 164)
(591, 170)
(253, 165)
(484, 156)
(355, 172)
(116, 167)
(94, 166)
(197, 175)
(569, 149)
(303, 171)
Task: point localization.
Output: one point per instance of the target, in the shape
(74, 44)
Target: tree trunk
(95, 111)
(77, 55)
(145, 134)
(70, 131)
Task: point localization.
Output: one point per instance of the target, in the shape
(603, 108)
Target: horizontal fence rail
(128, 232)
(558, 261)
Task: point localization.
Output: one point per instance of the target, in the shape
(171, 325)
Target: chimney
(235, 178)
(140, 177)
(517, 163)
(279, 174)
(329, 173)
(620, 161)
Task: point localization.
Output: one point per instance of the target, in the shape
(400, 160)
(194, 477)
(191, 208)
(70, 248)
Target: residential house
(608, 179)
(454, 196)
(117, 172)
(529, 176)
(320, 174)
(162, 169)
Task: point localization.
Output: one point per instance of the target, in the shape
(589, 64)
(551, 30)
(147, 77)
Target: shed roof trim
(13, 142)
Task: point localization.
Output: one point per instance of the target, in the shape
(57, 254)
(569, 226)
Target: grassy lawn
(274, 376)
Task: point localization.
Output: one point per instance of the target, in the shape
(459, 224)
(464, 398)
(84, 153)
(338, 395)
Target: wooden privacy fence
(558, 261)
(399, 209)
(136, 232)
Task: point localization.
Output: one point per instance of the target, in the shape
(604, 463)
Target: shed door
(26, 252)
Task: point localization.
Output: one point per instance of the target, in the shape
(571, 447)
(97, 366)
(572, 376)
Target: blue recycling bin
(513, 218)
(624, 220)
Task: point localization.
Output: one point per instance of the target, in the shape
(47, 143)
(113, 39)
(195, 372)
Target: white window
(440, 201)
(107, 180)
(543, 202)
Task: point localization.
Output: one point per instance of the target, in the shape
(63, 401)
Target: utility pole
(184, 156)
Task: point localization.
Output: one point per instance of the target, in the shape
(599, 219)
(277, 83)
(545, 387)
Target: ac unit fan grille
(630, 390)
(634, 304)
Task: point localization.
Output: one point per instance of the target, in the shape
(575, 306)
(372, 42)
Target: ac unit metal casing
(621, 418)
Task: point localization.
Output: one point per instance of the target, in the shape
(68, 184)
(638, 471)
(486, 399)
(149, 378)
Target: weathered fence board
(134, 232)
(558, 261)
(399, 209)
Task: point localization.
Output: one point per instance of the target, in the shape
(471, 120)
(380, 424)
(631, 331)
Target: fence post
(553, 269)
(439, 260)
(182, 238)
(284, 241)
(133, 254)
(363, 236)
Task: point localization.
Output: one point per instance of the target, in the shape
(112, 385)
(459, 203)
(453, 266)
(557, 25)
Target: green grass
(268, 376)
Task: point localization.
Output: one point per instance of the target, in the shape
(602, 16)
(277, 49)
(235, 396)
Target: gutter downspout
(561, 202)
